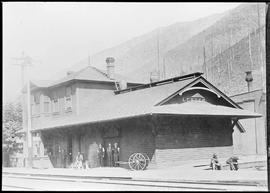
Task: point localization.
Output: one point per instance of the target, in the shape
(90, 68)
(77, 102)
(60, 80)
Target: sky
(58, 35)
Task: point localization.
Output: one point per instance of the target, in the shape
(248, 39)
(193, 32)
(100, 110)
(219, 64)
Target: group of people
(216, 165)
(79, 162)
(112, 155)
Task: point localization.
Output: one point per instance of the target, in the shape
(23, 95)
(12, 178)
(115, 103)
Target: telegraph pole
(158, 54)
(204, 64)
(164, 69)
(25, 62)
(260, 49)
(89, 63)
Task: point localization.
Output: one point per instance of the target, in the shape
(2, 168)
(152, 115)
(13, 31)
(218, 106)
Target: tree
(12, 123)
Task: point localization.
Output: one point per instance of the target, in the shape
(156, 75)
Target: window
(55, 106)
(37, 103)
(68, 99)
(46, 104)
(55, 103)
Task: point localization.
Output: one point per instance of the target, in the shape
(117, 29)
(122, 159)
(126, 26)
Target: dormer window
(68, 99)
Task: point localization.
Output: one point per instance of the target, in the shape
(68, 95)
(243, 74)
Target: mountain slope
(142, 50)
(188, 56)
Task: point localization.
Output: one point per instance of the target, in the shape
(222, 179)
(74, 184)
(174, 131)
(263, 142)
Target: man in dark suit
(110, 155)
(116, 153)
(101, 154)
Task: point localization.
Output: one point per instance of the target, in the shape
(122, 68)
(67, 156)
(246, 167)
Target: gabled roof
(134, 103)
(209, 86)
(88, 73)
(38, 84)
(92, 74)
(203, 109)
(41, 83)
(129, 104)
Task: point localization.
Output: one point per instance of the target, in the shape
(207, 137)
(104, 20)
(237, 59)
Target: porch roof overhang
(204, 109)
(184, 109)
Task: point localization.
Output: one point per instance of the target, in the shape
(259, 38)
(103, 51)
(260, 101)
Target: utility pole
(164, 68)
(158, 54)
(249, 51)
(89, 63)
(25, 63)
(260, 49)
(204, 63)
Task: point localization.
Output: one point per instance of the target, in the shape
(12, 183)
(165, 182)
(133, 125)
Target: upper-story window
(46, 103)
(55, 103)
(68, 99)
(37, 103)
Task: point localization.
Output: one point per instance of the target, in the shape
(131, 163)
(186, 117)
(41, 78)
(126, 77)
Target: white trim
(201, 88)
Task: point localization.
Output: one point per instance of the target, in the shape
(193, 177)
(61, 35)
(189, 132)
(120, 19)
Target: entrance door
(110, 140)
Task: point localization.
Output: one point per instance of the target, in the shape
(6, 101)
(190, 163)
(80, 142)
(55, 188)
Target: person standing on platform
(116, 153)
(110, 155)
(101, 154)
(81, 159)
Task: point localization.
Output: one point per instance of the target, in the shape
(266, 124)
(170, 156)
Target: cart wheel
(131, 163)
(138, 161)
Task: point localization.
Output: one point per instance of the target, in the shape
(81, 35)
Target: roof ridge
(79, 71)
(101, 72)
(161, 82)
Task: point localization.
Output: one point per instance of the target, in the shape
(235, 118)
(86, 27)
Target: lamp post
(249, 80)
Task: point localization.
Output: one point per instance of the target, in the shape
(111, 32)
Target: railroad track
(128, 182)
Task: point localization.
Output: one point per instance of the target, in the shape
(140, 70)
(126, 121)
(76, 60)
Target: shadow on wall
(193, 132)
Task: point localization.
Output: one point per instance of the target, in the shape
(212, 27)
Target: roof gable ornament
(206, 86)
(194, 98)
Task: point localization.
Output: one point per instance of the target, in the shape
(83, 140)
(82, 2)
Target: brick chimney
(249, 80)
(110, 67)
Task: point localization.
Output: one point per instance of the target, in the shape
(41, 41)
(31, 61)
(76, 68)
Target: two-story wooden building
(173, 120)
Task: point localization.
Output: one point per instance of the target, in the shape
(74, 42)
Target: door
(112, 141)
(69, 150)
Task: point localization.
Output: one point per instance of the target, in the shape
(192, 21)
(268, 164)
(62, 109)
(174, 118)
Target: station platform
(187, 172)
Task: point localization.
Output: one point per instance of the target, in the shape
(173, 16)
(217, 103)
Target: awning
(188, 108)
(203, 109)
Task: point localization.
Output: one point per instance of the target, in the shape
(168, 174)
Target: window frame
(68, 98)
(46, 100)
(55, 105)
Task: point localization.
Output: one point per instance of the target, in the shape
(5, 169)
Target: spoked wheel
(138, 161)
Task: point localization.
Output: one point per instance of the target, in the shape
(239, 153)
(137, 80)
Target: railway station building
(172, 121)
